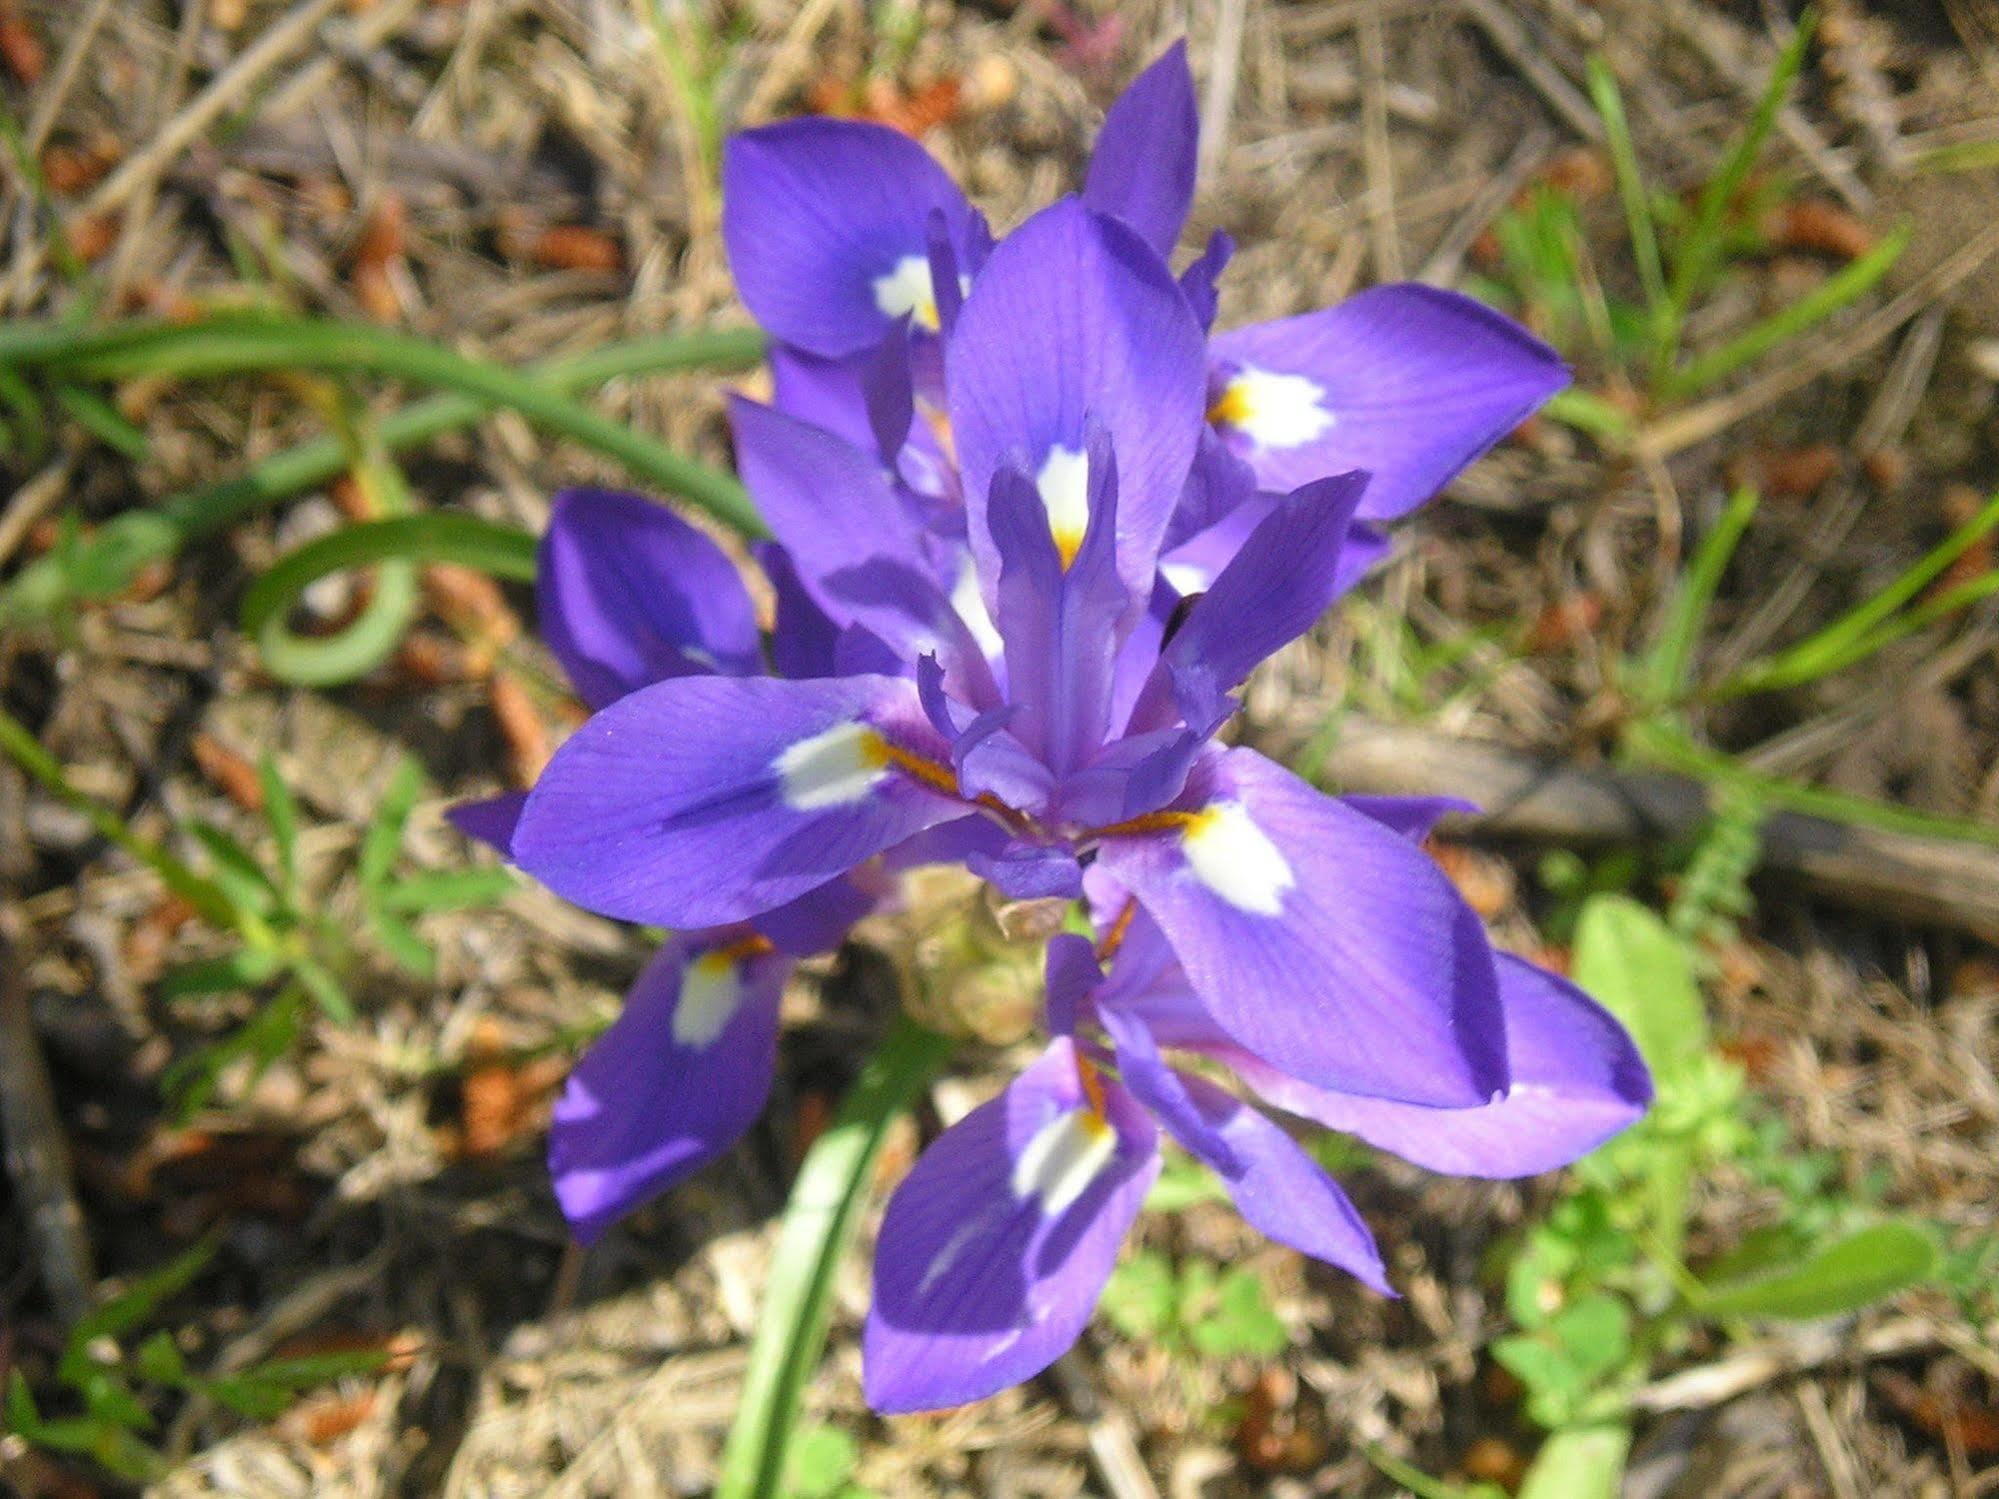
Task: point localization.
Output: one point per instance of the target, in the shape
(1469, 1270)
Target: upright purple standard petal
(629, 594)
(1076, 320)
(996, 1246)
(1320, 940)
(1142, 171)
(827, 227)
(1408, 382)
(673, 1083)
(1272, 591)
(707, 800)
(1577, 1080)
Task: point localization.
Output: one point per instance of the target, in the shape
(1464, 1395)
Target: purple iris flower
(629, 594)
(843, 235)
(1034, 528)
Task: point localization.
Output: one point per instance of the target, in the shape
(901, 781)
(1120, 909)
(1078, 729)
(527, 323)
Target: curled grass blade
(108, 560)
(819, 1224)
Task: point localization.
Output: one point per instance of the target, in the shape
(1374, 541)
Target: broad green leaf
(159, 1359)
(1579, 1462)
(1640, 971)
(1854, 1272)
(1242, 1322)
(1594, 1332)
(1141, 1298)
(822, 1459)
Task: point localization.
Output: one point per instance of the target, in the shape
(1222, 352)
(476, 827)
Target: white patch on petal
(832, 768)
(908, 291)
(1233, 857)
(1185, 578)
(710, 994)
(1273, 410)
(1065, 1156)
(971, 606)
(1064, 482)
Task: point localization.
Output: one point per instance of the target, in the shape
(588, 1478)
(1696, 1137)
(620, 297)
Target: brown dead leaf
(1486, 882)
(1789, 474)
(1972, 1429)
(1959, 505)
(377, 256)
(576, 247)
(93, 237)
(1495, 1460)
(229, 771)
(1565, 620)
(1817, 227)
(327, 1418)
(527, 740)
(21, 50)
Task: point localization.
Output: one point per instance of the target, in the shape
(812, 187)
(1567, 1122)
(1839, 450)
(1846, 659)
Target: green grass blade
(1700, 249)
(128, 542)
(102, 421)
(1870, 625)
(1663, 675)
(819, 1224)
(1845, 286)
(1631, 190)
(203, 894)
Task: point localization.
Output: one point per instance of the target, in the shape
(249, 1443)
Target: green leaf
(325, 989)
(190, 1083)
(1640, 971)
(1845, 1276)
(819, 1225)
(384, 838)
(401, 942)
(246, 968)
(1664, 675)
(235, 869)
(1594, 1332)
(1141, 1298)
(159, 1359)
(130, 1307)
(1243, 1321)
(447, 890)
(281, 812)
(1579, 1462)
(822, 1460)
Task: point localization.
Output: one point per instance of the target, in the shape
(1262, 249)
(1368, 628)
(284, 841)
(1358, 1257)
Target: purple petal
(672, 1084)
(1142, 171)
(1075, 319)
(996, 1246)
(826, 223)
(1279, 1189)
(629, 594)
(832, 505)
(1321, 941)
(490, 821)
(1164, 1091)
(819, 920)
(1414, 817)
(828, 393)
(1059, 615)
(1199, 283)
(1577, 1080)
(1408, 382)
(1030, 871)
(803, 641)
(1072, 975)
(707, 800)
(1272, 591)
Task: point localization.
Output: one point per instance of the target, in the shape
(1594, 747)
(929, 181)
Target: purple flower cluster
(1034, 525)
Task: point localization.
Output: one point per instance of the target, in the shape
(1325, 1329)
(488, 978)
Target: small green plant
(114, 1397)
(1194, 1308)
(821, 1466)
(1600, 1290)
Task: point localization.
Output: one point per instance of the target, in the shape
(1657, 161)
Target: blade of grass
(1662, 677)
(128, 542)
(1700, 249)
(1631, 191)
(1848, 284)
(819, 1225)
(203, 894)
(231, 346)
(1833, 646)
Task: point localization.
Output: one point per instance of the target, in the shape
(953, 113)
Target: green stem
(819, 1225)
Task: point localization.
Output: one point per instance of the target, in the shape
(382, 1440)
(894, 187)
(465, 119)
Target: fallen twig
(37, 1156)
(1926, 880)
